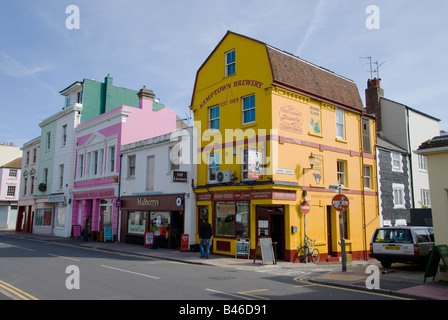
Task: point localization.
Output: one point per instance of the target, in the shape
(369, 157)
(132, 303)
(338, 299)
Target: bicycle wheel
(315, 256)
(302, 253)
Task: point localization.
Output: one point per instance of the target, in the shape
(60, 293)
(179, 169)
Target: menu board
(264, 251)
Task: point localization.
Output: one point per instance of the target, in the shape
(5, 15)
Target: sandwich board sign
(242, 247)
(438, 253)
(265, 251)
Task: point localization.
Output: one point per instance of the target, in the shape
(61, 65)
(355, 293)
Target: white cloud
(13, 68)
(320, 16)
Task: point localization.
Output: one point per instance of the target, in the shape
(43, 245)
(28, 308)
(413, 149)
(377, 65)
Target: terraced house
(52, 180)
(274, 130)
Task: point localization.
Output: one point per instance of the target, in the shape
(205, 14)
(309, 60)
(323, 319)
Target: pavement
(406, 281)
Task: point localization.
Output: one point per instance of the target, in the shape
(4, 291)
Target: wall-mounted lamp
(312, 161)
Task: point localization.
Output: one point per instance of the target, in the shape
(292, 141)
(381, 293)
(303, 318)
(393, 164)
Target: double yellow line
(15, 293)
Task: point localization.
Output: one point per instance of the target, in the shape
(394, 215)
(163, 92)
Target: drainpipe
(411, 169)
(363, 198)
(119, 198)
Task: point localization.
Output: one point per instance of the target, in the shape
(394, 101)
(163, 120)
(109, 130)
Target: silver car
(402, 244)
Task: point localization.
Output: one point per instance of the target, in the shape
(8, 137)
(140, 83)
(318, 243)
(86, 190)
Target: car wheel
(386, 264)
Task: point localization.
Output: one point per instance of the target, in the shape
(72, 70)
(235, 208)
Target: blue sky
(161, 44)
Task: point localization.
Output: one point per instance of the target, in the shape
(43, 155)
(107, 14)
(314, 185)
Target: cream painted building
(436, 152)
(8, 153)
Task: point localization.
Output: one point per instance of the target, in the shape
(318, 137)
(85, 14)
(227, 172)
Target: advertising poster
(254, 159)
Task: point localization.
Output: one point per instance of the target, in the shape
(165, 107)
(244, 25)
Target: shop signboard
(254, 164)
(265, 251)
(438, 253)
(76, 233)
(108, 234)
(179, 176)
(163, 202)
(184, 239)
(149, 238)
(242, 247)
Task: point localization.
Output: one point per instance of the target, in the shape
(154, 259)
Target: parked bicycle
(307, 252)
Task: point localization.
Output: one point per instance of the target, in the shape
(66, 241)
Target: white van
(402, 244)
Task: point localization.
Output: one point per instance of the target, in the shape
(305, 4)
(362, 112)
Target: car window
(422, 235)
(393, 235)
(431, 234)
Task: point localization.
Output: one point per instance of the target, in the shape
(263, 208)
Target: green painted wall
(101, 97)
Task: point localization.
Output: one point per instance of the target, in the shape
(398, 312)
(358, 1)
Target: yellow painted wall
(290, 120)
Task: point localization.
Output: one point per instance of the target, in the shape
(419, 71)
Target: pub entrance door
(270, 223)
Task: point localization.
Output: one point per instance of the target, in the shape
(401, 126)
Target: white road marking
(24, 248)
(7, 245)
(136, 273)
(54, 255)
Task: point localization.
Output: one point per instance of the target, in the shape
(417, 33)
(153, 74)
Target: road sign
(340, 202)
(305, 207)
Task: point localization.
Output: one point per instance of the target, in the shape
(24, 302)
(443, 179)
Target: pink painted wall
(144, 123)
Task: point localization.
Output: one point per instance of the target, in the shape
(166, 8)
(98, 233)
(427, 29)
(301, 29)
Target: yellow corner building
(273, 131)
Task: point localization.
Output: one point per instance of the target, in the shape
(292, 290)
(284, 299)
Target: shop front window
(43, 217)
(136, 222)
(232, 218)
(106, 206)
(157, 219)
(60, 216)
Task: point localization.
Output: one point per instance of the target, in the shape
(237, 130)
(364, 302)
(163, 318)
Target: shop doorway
(271, 223)
(173, 222)
(176, 229)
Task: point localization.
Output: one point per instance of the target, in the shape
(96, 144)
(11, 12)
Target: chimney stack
(145, 97)
(374, 92)
(146, 93)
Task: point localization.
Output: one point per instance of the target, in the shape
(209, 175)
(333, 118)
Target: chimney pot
(146, 93)
(374, 83)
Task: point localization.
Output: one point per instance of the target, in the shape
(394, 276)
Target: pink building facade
(97, 169)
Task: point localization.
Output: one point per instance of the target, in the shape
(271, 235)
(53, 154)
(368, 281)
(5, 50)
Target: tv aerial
(377, 67)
